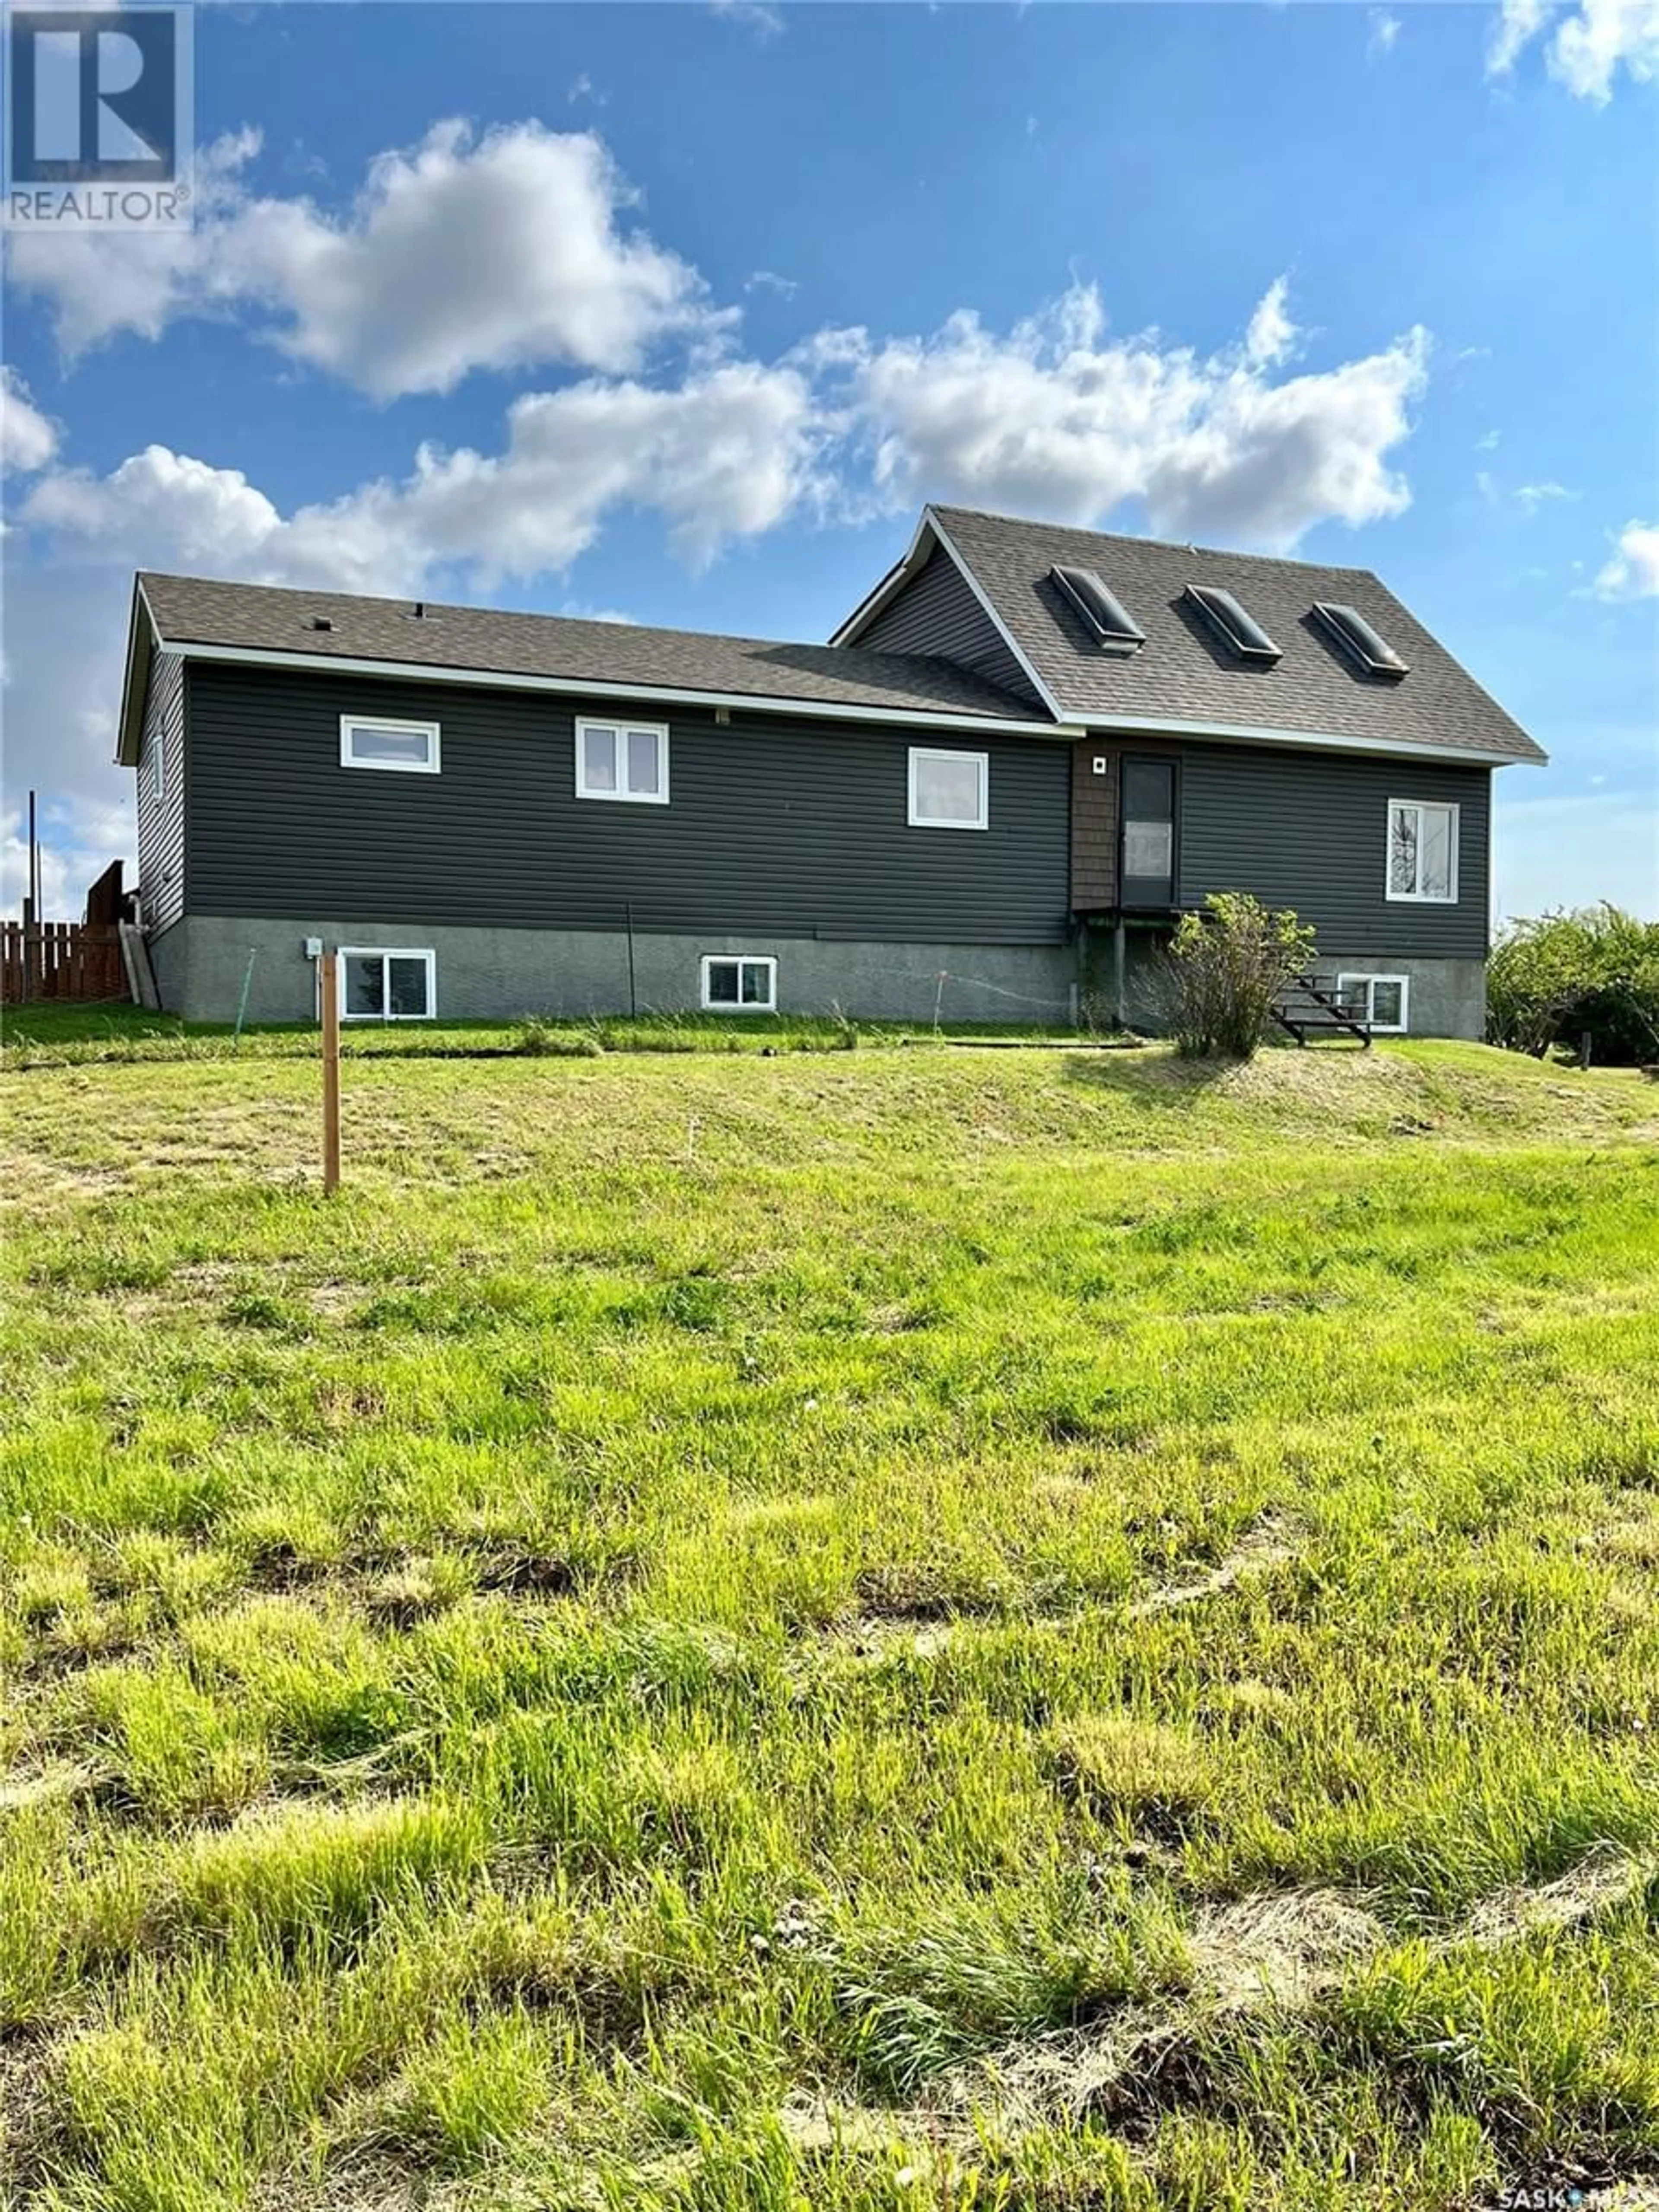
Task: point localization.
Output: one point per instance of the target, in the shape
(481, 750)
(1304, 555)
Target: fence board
(60, 961)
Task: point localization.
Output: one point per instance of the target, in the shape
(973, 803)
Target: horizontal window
(387, 984)
(1422, 851)
(622, 760)
(949, 791)
(370, 741)
(1381, 1000)
(733, 986)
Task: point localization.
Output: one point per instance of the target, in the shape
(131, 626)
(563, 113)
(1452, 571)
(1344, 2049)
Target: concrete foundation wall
(501, 974)
(1447, 998)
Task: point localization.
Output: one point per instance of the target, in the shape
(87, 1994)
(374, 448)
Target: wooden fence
(60, 961)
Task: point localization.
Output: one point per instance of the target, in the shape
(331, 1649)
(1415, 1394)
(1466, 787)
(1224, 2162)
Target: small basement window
(374, 741)
(1383, 1002)
(734, 985)
(1422, 851)
(949, 790)
(622, 760)
(387, 984)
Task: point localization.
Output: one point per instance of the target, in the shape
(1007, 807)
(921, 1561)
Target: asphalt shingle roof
(1184, 673)
(266, 618)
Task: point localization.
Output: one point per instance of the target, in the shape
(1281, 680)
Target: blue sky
(679, 312)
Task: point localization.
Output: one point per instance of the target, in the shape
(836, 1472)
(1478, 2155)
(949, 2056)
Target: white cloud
(1518, 24)
(1490, 442)
(728, 453)
(1272, 334)
(458, 254)
(1632, 572)
(1530, 497)
(1384, 30)
(760, 16)
(1590, 45)
(29, 439)
(583, 87)
(1586, 49)
(768, 280)
(1057, 420)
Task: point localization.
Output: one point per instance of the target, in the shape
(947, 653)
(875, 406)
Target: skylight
(1360, 641)
(1241, 631)
(1105, 614)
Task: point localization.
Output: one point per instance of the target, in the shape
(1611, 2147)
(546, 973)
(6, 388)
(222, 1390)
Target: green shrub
(1595, 971)
(1228, 964)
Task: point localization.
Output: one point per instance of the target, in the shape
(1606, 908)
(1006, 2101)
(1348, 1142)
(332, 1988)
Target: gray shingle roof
(1183, 673)
(264, 618)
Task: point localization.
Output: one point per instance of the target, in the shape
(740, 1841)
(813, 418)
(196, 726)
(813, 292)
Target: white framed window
(387, 983)
(158, 764)
(622, 760)
(739, 984)
(379, 741)
(949, 790)
(1422, 851)
(1384, 1001)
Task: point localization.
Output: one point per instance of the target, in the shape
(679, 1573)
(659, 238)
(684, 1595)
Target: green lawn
(1024, 1631)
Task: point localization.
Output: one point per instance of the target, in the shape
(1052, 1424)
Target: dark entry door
(1147, 873)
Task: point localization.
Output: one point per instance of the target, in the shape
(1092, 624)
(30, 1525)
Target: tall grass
(736, 1632)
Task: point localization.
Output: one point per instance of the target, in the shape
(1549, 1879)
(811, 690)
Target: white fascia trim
(996, 621)
(139, 600)
(1252, 734)
(878, 594)
(340, 664)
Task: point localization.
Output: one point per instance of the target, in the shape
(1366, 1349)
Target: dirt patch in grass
(51, 1785)
(516, 1573)
(1280, 1947)
(1270, 1544)
(1596, 1885)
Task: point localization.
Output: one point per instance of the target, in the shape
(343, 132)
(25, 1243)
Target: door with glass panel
(1146, 874)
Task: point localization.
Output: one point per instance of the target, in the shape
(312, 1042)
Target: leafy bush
(1228, 964)
(1595, 971)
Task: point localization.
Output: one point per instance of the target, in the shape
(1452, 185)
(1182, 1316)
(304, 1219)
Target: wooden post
(329, 976)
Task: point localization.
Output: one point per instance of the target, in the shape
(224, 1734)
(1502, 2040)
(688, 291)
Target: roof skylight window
(1240, 630)
(1104, 612)
(1363, 644)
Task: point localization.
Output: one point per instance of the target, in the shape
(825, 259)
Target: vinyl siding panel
(937, 612)
(161, 821)
(1309, 830)
(775, 825)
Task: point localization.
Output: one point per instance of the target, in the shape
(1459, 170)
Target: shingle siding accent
(936, 612)
(162, 821)
(1311, 831)
(1094, 827)
(774, 825)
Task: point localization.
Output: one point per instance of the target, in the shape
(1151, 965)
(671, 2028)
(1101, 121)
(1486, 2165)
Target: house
(1016, 762)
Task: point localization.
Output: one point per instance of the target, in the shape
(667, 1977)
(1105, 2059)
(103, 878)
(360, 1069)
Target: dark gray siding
(937, 612)
(1309, 830)
(792, 828)
(161, 821)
